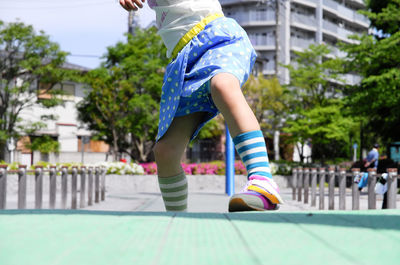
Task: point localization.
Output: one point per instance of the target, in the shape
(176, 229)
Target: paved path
(198, 201)
(92, 237)
(206, 194)
(131, 227)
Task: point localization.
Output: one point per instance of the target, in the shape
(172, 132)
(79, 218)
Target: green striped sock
(174, 191)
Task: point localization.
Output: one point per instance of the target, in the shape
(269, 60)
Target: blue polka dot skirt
(222, 47)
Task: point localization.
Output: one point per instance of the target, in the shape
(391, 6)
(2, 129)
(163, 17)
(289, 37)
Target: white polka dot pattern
(222, 47)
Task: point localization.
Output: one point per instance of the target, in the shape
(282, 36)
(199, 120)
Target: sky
(84, 28)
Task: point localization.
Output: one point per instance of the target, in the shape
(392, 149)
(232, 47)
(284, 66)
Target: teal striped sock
(253, 152)
(174, 191)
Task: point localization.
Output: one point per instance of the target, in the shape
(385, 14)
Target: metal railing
(305, 180)
(91, 185)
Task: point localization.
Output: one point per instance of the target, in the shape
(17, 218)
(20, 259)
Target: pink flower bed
(213, 168)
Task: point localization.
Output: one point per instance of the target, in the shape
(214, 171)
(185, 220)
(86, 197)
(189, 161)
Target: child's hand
(129, 5)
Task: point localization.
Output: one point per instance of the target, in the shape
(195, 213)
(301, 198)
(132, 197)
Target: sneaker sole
(239, 205)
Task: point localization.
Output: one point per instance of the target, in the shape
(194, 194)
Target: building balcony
(257, 15)
(337, 52)
(308, 22)
(329, 26)
(262, 42)
(346, 13)
(336, 30)
(235, 2)
(268, 68)
(301, 44)
(362, 18)
(255, 18)
(312, 3)
(351, 79)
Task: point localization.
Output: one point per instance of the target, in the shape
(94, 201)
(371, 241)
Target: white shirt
(176, 17)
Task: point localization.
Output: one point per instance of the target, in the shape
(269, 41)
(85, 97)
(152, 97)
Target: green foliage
(318, 113)
(122, 107)
(268, 100)
(27, 58)
(384, 15)
(44, 144)
(377, 58)
(212, 129)
(312, 77)
(327, 127)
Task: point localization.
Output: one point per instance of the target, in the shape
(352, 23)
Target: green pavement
(93, 237)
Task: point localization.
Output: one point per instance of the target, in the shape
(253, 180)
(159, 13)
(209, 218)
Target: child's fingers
(138, 3)
(128, 5)
(124, 4)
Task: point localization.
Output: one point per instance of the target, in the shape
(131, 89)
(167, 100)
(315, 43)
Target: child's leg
(168, 154)
(230, 101)
(245, 129)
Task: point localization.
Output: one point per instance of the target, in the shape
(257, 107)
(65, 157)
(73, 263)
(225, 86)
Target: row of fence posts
(95, 178)
(304, 179)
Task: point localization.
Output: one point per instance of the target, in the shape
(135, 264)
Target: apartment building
(277, 28)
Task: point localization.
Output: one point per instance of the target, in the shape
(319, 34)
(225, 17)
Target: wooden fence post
(299, 183)
(103, 183)
(392, 188)
(321, 188)
(313, 187)
(342, 189)
(371, 188)
(90, 186)
(83, 187)
(331, 188)
(21, 186)
(74, 188)
(355, 191)
(294, 183)
(38, 187)
(97, 185)
(64, 186)
(53, 186)
(3, 186)
(306, 184)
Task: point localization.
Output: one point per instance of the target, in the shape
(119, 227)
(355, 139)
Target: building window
(68, 91)
(92, 146)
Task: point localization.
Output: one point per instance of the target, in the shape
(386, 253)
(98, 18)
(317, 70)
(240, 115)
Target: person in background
(372, 158)
(370, 162)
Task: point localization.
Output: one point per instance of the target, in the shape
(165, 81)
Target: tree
(314, 77)
(376, 58)
(328, 127)
(318, 115)
(44, 144)
(30, 66)
(122, 107)
(269, 102)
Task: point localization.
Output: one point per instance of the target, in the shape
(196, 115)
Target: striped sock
(174, 191)
(253, 152)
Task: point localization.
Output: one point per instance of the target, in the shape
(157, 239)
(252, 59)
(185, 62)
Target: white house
(65, 128)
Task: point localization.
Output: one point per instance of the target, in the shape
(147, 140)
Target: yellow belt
(193, 32)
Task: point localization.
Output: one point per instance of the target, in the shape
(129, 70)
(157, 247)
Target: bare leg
(171, 147)
(168, 153)
(249, 142)
(230, 101)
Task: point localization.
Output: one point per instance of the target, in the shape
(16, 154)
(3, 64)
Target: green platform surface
(86, 237)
